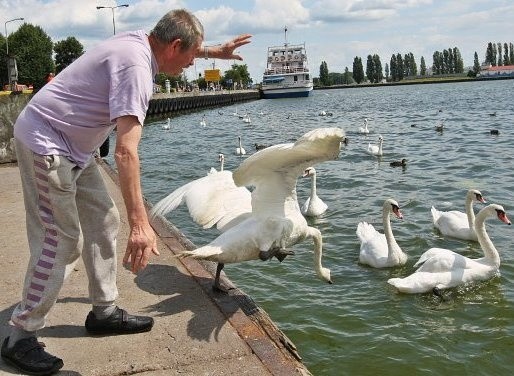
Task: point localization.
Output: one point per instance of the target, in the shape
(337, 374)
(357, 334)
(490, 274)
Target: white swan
(364, 129)
(221, 160)
(381, 250)
(240, 150)
(167, 126)
(274, 220)
(246, 118)
(203, 123)
(455, 223)
(376, 149)
(441, 268)
(313, 206)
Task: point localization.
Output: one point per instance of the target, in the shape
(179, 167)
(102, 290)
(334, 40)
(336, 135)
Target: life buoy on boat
(276, 58)
(297, 57)
(289, 57)
(282, 57)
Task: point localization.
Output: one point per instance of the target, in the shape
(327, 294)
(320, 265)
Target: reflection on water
(360, 325)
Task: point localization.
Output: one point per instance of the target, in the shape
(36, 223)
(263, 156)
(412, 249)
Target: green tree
(476, 64)
(489, 53)
(66, 52)
(506, 57)
(511, 53)
(386, 70)
(394, 68)
(238, 73)
(347, 77)
(499, 56)
(370, 69)
(458, 62)
(323, 74)
(400, 68)
(33, 50)
(422, 67)
(3, 63)
(358, 70)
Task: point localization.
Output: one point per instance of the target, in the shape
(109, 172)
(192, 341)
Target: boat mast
(285, 36)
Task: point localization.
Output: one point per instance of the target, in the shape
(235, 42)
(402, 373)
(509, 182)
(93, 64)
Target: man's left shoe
(119, 322)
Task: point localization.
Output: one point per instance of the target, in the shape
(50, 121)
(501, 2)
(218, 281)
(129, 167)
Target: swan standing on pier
(441, 268)
(455, 223)
(381, 250)
(274, 220)
(313, 206)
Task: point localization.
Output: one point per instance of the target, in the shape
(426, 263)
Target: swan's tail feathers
(364, 231)
(207, 252)
(170, 202)
(436, 214)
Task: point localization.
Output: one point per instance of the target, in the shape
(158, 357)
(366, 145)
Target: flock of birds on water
(265, 222)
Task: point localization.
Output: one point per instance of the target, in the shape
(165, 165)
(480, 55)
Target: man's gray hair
(178, 24)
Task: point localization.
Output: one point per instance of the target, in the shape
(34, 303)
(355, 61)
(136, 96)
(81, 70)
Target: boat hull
(273, 93)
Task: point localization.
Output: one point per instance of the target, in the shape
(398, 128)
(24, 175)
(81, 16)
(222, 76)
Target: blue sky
(334, 31)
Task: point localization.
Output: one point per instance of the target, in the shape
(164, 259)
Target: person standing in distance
(69, 211)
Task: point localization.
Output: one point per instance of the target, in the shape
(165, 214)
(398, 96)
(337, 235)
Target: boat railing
(286, 70)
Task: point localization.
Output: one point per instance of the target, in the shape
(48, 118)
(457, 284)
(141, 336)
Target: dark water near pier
(360, 325)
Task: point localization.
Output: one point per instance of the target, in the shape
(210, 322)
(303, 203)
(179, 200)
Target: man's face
(177, 58)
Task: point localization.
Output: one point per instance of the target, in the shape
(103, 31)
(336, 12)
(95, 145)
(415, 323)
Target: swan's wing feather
(212, 199)
(441, 260)
(318, 145)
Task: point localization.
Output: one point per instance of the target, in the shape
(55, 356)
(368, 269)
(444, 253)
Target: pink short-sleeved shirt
(74, 113)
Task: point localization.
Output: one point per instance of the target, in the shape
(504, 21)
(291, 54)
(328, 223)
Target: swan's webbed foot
(282, 253)
(279, 253)
(439, 293)
(217, 286)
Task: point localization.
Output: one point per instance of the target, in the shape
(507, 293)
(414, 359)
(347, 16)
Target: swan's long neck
(313, 186)
(222, 162)
(318, 250)
(392, 246)
(470, 212)
(380, 147)
(490, 252)
(240, 144)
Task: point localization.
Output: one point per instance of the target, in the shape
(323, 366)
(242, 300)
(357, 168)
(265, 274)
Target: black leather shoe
(119, 322)
(28, 356)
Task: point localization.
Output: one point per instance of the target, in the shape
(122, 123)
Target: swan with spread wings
(263, 223)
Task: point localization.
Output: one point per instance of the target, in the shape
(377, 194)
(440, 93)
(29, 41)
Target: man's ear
(176, 44)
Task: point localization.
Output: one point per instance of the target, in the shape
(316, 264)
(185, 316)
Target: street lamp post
(112, 9)
(7, 49)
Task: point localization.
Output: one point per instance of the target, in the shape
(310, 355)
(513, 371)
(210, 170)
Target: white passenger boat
(287, 72)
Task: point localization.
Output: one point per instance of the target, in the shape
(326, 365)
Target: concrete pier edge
(271, 346)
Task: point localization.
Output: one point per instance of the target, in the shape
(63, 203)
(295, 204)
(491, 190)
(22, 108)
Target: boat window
(295, 78)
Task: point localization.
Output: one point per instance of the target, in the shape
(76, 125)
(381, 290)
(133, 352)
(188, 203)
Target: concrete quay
(196, 332)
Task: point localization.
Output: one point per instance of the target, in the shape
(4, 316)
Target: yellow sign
(212, 75)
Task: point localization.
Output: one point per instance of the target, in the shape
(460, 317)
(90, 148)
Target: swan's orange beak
(397, 212)
(503, 217)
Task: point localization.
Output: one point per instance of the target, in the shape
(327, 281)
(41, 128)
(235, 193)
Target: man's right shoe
(28, 356)
(119, 322)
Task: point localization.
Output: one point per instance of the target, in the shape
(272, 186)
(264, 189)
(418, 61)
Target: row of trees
(494, 56)
(448, 61)
(37, 55)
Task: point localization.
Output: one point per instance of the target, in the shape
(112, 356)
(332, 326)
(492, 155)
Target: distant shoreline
(413, 82)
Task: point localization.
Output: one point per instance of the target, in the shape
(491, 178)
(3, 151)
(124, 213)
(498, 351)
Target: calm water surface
(360, 325)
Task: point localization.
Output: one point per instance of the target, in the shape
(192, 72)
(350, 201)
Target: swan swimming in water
(313, 206)
(274, 220)
(376, 150)
(381, 250)
(167, 126)
(455, 223)
(240, 149)
(364, 129)
(203, 123)
(440, 268)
